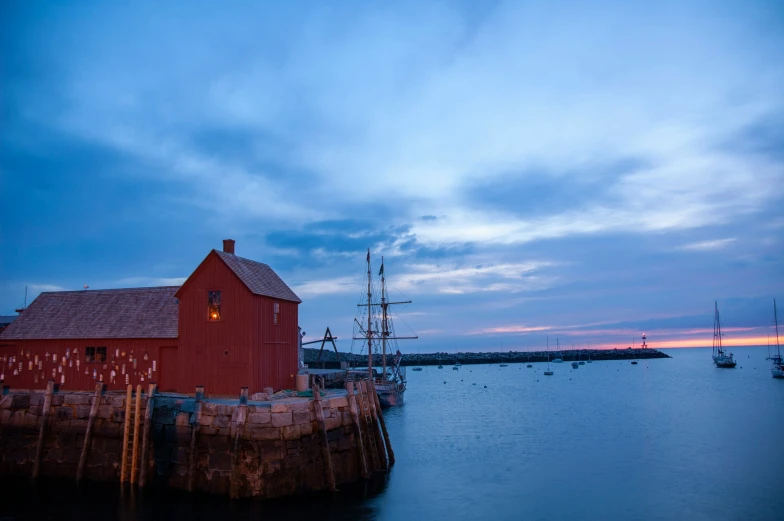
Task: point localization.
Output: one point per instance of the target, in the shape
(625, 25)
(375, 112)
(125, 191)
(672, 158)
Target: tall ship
(721, 357)
(777, 371)
(373, 326)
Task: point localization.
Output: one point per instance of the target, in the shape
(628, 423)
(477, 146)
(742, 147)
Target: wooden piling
(88, 435)
(194, 434)
(242, 414)
(146, 434)
(126, 433)
(44, 426)
(135, 460)
(352, 404)
(363, 399)
(380, 414)
(382, 453)
(325, 453)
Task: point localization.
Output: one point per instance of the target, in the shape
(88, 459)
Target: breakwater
(329, 360)
(243, 448)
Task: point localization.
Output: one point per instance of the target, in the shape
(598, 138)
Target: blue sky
(526, 168)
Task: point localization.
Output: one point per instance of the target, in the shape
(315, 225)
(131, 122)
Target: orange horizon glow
(695, 342)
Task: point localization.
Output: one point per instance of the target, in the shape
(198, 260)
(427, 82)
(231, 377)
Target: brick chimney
(228, 246)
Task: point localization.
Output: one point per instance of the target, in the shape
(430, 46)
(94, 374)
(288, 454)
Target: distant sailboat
(777, 371)
(721, 357)
(549, 372)
(558, 360)
(417, 368)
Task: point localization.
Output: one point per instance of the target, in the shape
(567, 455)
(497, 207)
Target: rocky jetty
(329, 360)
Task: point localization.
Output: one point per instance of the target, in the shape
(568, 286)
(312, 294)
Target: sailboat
(558, 360)
(721, 357)
(417, 368)
(777, 371)
(589, 353)
(549, 371)
(391, 383)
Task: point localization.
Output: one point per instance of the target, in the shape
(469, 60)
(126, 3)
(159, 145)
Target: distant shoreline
(329, 359)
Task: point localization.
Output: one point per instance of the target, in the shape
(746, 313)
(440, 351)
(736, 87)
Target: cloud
(150, 281)
(716, 244)
(40, 288)
(316, 288)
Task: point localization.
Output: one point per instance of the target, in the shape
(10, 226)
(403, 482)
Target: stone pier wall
(262, 449)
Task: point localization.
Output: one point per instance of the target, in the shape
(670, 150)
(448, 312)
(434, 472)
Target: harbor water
(665, 439)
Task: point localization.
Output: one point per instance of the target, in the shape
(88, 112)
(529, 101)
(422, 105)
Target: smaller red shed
(237, 323)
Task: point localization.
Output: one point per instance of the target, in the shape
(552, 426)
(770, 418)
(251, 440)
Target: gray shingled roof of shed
(110, 313)
(258, 277)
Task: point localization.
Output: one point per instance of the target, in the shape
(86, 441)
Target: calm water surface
(665, 439)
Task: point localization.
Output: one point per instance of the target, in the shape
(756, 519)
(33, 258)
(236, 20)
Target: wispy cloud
(150, 281)
(39, 288)
(716, 244)
(333, 286)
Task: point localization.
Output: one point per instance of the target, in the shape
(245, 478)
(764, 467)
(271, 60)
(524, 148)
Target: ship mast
(370, 319)
(717, 331)
(384, 325)
(367, 334)
(776, 321)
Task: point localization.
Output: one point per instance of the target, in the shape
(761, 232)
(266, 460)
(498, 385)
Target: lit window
(276, 313)
(213, 305)
(95, 354)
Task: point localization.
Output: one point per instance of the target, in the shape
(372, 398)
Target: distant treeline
(329, 359)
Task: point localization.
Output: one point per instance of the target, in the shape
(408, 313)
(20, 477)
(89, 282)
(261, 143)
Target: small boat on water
(549, 372)
(721, 357)
(529, 366)
(455, 368)
(634, 362)
(575, 365)
(416, 369)
(558, 360)
(440, 366)
(777, 371)
(504, 365)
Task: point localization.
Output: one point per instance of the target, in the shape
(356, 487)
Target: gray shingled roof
(258, 277)
(111, 313)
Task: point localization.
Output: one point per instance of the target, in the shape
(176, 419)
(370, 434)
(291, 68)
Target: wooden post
(135, 460)
(44, 426)
(126, 433)
(88, 435)
(382, 453)
(388, 443)
(146, 434)
(194, 433)
(242, 413)
(352, 404)
(363, 398)
(326, 456)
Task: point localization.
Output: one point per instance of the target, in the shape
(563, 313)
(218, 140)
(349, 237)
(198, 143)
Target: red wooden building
(232, 324)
